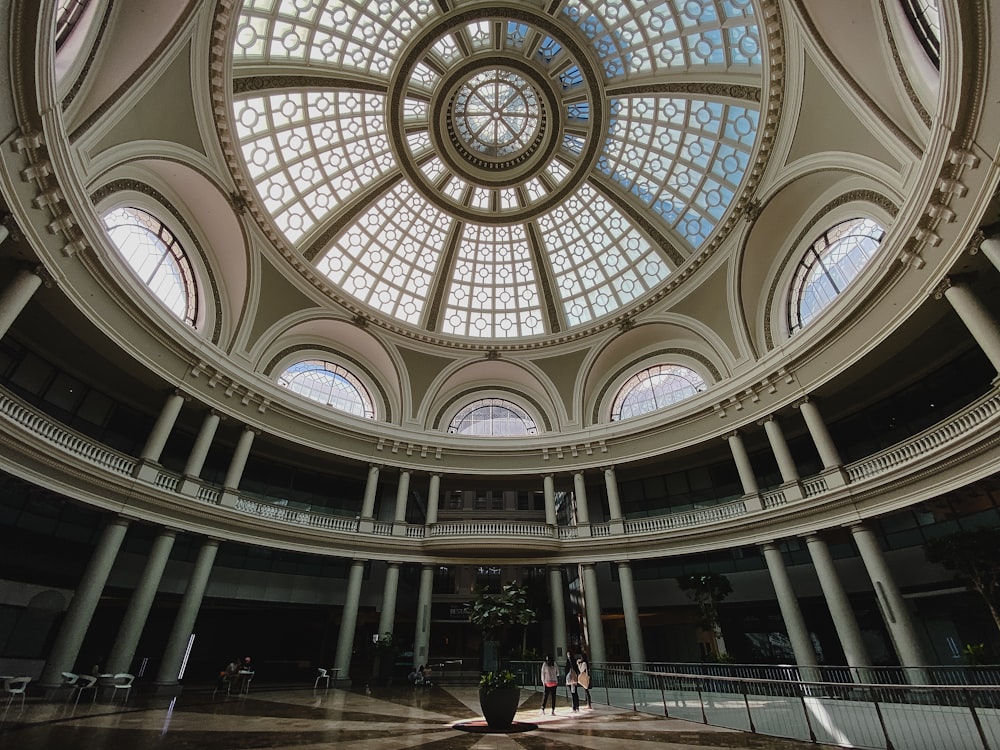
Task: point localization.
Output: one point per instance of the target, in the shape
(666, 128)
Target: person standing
(583, 675)
(550, 681)
(572, 680)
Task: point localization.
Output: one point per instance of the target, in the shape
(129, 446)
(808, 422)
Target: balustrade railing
(963, 711)
(956, 427)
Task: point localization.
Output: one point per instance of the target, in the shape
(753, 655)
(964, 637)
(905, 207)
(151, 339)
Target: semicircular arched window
(654, 388)
(830, 263)
(156, 257)
(493, 417)
(68, 13)
(329, 384)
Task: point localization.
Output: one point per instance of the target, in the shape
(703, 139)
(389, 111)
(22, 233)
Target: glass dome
(495, 172)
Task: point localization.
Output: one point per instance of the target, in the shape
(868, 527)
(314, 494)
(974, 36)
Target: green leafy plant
(706, 590)
(490, 681)
(495, 614)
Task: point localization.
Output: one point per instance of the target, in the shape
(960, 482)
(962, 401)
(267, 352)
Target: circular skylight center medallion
(496, 113)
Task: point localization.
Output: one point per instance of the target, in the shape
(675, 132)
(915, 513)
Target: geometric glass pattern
(492, 417)
(493, 290)
(600, 260)
(496, 112)
(828, 265)
(655, 388)
(156, 257)
(492, 176)
(329, 384)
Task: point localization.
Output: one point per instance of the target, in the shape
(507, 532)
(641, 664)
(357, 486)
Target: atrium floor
(390, 718)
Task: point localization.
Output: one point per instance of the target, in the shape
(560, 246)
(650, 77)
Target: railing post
(663, 696)
(746, 702)
(881, 721)
(701, 702)
(631, 683)
(805, 711)
(975, 720)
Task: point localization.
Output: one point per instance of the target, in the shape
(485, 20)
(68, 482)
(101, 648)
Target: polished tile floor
(387, 719)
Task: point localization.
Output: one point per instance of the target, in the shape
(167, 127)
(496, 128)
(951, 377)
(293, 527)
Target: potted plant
(495, 615)
(707, 590)
(499, 696)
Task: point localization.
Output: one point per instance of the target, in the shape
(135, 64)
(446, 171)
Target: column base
(167, 688)
(753, 502)
(583, 529)
(228, 498)
(793, 491)
(189, 486)
(146, 470)
(617, 526)
(835, 476)
(366, 525)
(399, 528)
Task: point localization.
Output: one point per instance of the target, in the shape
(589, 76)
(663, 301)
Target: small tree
(496, 614)
(707, 590)
(975, 556)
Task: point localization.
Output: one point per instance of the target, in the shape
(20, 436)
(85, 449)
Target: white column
(239, 460)
(557, 597)
(614, 501)
(795, 624)
(199, 451)
(371, 487)
(433, 498)
(349, 620)
(15, 296)
(828, 452)
(580, 492)
(592, 602)
(747, 477)
(894, 609)
(402, 493)
(187, 613)
(974, 315)
(786, 465)
(153, 448)
(839, 605)
(422, 634)
(549, 495)
(388, 615)
(630, 609)
(122, 653)
(63, 656)
(991, 249)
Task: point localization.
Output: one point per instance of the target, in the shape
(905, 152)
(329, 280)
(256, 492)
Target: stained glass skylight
(655, 388)
(828, 265)
(493, 417)
(330, 384)
(477, 174)
(156, 257)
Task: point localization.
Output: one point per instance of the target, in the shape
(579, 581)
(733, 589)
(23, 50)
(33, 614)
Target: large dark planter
(499, 706)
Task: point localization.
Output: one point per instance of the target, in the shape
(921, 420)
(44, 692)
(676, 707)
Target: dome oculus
(496, 113)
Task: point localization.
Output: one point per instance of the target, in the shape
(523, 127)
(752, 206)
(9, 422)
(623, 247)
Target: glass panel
(329, 384)
(655, 388)
(492, 417)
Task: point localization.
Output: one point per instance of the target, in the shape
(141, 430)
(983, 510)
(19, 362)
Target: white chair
(246, 675)
(16, 686)
(85, 682)
(69, 681)
(122, 681)
(322, 675)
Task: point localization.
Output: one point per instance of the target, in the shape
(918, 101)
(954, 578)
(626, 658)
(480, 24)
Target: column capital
(731, 434)
(941, 287)
(764, 420)
(797, 404)
(771, 544)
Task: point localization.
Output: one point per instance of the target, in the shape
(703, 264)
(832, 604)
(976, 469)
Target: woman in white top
(583, 667)
(550, 681)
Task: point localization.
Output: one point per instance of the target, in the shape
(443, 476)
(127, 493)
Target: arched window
(331, 385)
(157, 258)
(493, 417)
(655, 388)
(68, 14)
(830, 263)
(925, 18)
